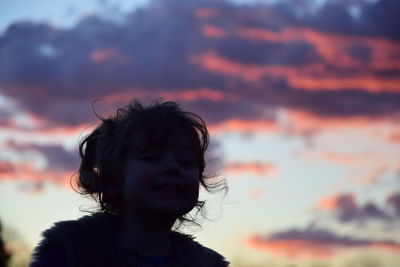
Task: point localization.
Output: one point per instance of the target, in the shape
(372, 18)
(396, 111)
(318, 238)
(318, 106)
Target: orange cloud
(367, 83)
(343, 158)
(211, 61)
(304, 77)
(205, 13)
(256, 193)
(301, 248)
(212, 31)
(373, 177)
(331, 47)
(394, 138)
(293, 249)
(305, 122)
(243, 126)
(54, 135)
(26, 171)
(387, 247)
(181, 95)
(103, 55)
(6, 170)
(265, 170)
(336, 202)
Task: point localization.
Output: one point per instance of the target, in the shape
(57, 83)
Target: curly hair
(103, 150)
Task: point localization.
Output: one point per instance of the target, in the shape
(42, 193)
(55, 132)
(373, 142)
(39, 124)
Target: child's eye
(149, 158)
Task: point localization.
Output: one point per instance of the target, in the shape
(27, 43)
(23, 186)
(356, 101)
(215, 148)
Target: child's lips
(169, 190)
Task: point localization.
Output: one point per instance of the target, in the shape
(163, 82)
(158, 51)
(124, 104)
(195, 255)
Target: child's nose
(170, 165)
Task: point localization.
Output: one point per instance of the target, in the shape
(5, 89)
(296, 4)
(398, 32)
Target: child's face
(161, 180)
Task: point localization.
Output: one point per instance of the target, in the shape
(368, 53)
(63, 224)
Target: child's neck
(148, 236)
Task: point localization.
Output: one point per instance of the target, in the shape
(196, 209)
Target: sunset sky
(301, 97)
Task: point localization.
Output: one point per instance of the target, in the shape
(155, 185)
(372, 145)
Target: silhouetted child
(4, 255)
(144, 166)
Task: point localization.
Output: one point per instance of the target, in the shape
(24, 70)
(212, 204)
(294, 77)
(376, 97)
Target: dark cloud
(388, 73)
(292, 54)
(393, 201)
(352, 102)
(360, 52)
(321, 236)
(381, 19)
(316, 242)
(375, 19)
(333, 17)
(217, 112)
(345, 209)
(56, 73)
(57, 158)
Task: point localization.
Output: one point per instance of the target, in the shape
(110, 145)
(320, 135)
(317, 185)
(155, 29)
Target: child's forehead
(161, 140)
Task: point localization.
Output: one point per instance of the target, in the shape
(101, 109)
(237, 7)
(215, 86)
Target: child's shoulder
(69, 233)
(86, 224)
(197, 252)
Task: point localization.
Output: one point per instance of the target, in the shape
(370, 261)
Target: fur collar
(89, 241)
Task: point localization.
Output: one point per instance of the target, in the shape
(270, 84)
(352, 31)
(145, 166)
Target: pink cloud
(205, 13)
(257, 193)
(332, 46)
(335, 202)
(343, 158)
(6, 168)
(345, 209)
(296, 244)
(264, 170)
(212, 31)
(186, 95)
(25, 171)
(102, 55)
(303, 122)
(393, 200)
(244, 126)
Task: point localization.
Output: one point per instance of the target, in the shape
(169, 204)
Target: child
(144, 167)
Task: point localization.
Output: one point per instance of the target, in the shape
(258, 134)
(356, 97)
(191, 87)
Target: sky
(301, 98)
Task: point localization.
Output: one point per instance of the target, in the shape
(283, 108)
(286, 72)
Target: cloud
(314, 243)
(244, 126)
(344, 158)
(376, 18)
(57, 158)
(345, 209)
(6, 168)
(238, 67)
(34, 164)
(257, 193)
(305, 122)
(182, 95)
(326, 63)
(263, 170)
(393, 200)
(212, 31)
(31, 178)
(340, 223)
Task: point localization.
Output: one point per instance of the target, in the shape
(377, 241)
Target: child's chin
(173, 210)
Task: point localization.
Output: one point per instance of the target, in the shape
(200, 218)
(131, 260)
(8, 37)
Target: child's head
(146, 157)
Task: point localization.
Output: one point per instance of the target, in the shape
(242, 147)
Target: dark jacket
(90, 241)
